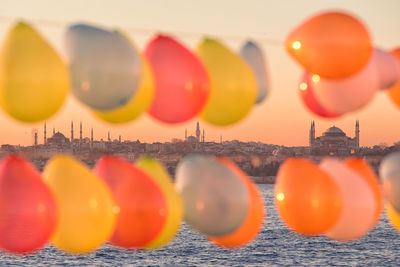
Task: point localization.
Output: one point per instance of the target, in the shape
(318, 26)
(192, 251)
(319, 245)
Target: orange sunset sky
(281, 119)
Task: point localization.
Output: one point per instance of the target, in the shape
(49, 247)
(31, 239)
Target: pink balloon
(181, 81)
(308, 97)
(388, 68)
(358, 211)
(28, 210)
(348, 94)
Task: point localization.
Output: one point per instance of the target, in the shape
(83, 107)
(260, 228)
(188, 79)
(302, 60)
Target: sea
(275, 246)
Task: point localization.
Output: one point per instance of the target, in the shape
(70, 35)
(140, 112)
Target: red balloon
(308, 97)
(141, 203)
(181, 81)
(28, 211)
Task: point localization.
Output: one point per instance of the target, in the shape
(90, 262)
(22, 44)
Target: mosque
(197, 138)
(334, 141)
(59, 140)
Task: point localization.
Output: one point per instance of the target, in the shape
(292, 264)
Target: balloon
(367, 173)
(308, 96)
(105, 68)
(359, 206)
(254, 56)
(86, 207)
(394, 91)
(28, 211)
(389, 171)
(34, 80)
(254, 221)
(174, 201)
(233, 84)
(142, 205)
(307, 199)
(215, 200)
(349, 94)
(181, 81)
(137, 105)
(388, 68)
(333, 45)
(393, 216)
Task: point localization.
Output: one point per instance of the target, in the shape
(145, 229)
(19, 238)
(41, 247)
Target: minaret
(91, 138)
(119, 138)
(80, 132)
(357, 130)
(198, 132)
(220, 139)
(44, 134)
(54, 131)
(202, 139)
(72, 132)
(312, 134)
(109, 137)
(185, 133)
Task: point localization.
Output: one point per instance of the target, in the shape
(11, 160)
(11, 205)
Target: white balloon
(389, 172)
(254, 56)
(215, 200)
(358, 211)
(388, 68)
(105, 69)
(349, 94)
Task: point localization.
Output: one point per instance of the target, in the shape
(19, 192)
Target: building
(197, 138)
(334, 141)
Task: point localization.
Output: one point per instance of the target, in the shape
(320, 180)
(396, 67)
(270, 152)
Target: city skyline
(281, 119)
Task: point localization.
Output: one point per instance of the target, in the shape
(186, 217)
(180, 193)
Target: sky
(281, 119)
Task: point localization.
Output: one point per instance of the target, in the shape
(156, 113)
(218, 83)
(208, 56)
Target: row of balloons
(136, 206)
(342, 200)
(343, 70)
(132, 206)
(107, 73)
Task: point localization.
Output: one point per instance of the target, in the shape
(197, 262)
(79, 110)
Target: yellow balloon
(393, 216)
(86, 207)
(34, 81)
(139, 103)
(233, 84)
(174, 201)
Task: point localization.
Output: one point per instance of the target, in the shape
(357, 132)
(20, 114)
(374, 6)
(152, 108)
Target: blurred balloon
(333, 45)
(233, 84)
(215, 200)
(307, 199)
(359, 205)
(389, 172)
(138, 104)
(174, 201)
(28, 211)
(393, 216)
(367, 173)
(307, 95)
(181, 81)
(142, 205)
(348, 94)
(86, 207)
(394, 91)
(105, 68)
(254, 221)
(34, 81)
(254, 56)
(388, 68)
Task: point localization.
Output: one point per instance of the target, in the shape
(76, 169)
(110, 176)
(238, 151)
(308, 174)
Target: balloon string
(53, 23)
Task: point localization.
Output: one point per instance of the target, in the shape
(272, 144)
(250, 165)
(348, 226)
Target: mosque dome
(334, 131)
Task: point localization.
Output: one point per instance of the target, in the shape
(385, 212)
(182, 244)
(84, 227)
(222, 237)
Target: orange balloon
(307, 199)
(368, 174)
(332, 44)
(254, 220)
(394, 92)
